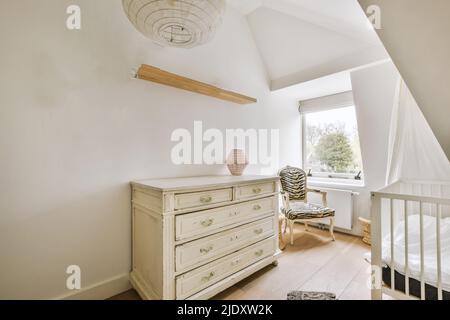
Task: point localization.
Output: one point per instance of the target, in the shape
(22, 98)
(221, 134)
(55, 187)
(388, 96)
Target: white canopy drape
(414, 151)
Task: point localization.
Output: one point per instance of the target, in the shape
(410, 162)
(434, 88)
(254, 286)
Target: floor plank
(339, 271)
(358, 287)
(313, 263)
(129, 295)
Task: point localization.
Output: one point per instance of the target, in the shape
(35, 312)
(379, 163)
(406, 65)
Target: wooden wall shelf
(150, 73)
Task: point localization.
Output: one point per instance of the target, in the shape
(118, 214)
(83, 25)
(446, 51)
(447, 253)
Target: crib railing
(431, 204)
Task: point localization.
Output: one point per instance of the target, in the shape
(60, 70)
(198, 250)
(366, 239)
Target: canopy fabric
(414, 151)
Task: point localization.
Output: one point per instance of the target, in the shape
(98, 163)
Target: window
(331, 144)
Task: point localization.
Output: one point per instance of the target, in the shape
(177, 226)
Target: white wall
(415, 33)
(373, 91)
(75, 129)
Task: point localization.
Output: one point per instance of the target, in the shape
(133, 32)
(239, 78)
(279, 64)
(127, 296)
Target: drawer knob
(259, 231)
(235, 262)
(257, 207)
(207, 223)
(257, 190)
(259, 253)
(207, 199)
(206, 250)
(208, 277)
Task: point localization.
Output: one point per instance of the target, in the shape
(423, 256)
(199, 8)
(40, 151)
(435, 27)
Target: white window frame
(336, 101)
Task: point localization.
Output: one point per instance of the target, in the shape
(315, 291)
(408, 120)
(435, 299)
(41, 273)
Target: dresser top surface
(173, 184)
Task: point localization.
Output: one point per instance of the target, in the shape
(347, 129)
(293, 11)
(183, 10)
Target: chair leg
(291, 231)
(285, 225)
(306, 227)
(332, 229)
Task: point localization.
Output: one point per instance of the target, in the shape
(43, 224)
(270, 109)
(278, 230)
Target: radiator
(339, 200)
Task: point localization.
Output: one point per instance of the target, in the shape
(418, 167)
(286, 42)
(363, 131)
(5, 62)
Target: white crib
(411, 241)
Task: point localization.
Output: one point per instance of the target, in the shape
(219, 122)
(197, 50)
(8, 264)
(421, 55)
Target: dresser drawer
(198, 199)
(254, 190)
(199, 223)
(199, 279)
(206, 249)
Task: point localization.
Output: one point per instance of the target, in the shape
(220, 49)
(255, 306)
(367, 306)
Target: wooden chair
(295, 202)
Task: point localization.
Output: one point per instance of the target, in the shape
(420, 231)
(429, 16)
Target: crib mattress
(431, 292)
(430, 251)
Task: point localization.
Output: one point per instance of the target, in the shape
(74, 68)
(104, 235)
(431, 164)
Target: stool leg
(332, 229)
(291, 231)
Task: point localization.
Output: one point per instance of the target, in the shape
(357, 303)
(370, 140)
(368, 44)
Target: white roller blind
(335, 101)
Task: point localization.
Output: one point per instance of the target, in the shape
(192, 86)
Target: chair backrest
(293, 181)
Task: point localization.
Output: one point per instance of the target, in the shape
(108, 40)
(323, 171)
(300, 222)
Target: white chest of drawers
(195, 237)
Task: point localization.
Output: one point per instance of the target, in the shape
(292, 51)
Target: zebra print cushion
(301, 210)
(293, 181)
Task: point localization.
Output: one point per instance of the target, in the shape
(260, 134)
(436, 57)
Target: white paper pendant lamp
(176, 23)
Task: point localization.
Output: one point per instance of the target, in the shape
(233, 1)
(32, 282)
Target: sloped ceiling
(302, 40)
(415, 33)
(342, 16)
(289, 44)
(328, 85)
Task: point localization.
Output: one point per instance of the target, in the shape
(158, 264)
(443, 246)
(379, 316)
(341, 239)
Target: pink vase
(237, 161)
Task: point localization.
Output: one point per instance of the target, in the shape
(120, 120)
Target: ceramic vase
(237, 161)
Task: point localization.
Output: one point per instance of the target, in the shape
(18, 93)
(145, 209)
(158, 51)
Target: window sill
(335, 183)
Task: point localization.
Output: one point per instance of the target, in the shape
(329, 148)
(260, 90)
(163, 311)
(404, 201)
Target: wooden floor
(314, 263)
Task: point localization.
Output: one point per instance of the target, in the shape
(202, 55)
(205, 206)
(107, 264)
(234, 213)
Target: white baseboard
(100, 291)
